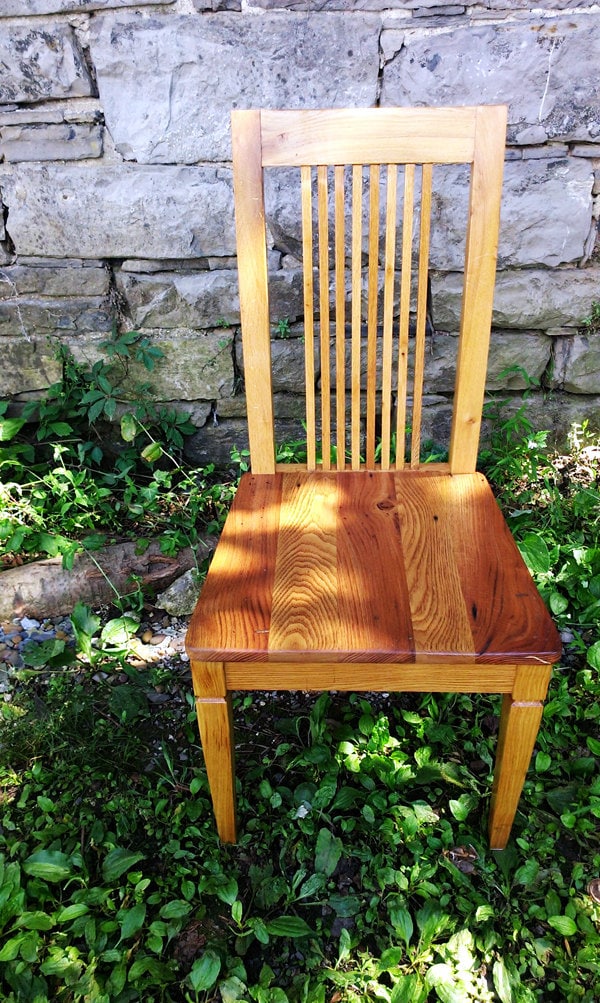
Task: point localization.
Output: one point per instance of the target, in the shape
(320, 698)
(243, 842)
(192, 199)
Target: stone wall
(115, 180)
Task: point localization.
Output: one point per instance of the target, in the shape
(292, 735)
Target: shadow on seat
(366, 569)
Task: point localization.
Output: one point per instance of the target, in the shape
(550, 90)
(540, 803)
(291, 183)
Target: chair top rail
(368, 135)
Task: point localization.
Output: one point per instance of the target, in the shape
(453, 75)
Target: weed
(591, 324)
(68, 482)
(282, 328)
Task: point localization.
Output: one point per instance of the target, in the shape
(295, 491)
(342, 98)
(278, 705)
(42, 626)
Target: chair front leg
(519, 725)
(215, 720)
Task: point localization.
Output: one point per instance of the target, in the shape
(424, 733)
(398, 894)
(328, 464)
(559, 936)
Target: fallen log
(45, 588)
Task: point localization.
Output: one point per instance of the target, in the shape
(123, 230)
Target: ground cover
(362, 871)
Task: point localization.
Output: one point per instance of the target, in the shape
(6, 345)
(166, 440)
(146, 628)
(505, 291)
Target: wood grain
(372, 677)
(215, 723)
(372, 590)
(389, 135)
(439, 616)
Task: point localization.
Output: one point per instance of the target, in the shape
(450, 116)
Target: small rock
(181, 597)
(41, 635)
(158, 698)
(28, 624)
(13, 658)
(147, 637)
(158, 638)
(14, 635)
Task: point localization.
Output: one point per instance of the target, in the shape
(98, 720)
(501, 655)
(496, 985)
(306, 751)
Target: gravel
(159, 641)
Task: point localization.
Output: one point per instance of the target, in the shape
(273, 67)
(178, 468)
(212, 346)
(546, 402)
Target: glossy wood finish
(369, 567)
(369, 570)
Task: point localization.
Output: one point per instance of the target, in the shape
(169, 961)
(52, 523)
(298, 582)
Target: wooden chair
(366, 569)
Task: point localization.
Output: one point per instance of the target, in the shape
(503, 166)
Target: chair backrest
(364, 179)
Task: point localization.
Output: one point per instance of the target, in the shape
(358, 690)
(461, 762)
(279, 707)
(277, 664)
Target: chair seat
(382, 566)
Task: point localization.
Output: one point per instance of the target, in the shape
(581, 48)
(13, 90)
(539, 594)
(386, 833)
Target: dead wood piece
(45, 588)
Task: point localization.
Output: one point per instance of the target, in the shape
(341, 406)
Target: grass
(362, 872)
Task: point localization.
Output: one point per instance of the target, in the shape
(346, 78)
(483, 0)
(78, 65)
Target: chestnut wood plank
(234, 613)
(505, 612)
(304, 613)
(480, 275)
(372, 591)
(439, 616)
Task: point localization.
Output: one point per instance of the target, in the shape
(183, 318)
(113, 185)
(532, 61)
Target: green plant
(282, 328)
(591, 324)
(68, 480)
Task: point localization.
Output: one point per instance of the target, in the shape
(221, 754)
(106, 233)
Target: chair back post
(478, 289)
(253, 286)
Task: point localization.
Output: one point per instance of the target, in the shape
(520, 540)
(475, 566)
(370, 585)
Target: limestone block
(546, 70)
(545, 219)
(141, 266)
(530, 299)
(169, 299)
(118, 210)
(32, 315)
(310, 6)
(202, 299)
(19, 8)
(168, 85)
(60, 278)
(215, 5)
(196, 365)
(408, 7)
(40, 63)
(504, 5)
(530, 351)
(28, 364)
(287, 355)
(47, 115)
(50, 142)
(85, 111)
(213, 443)
(577, 364)
(284, 406)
